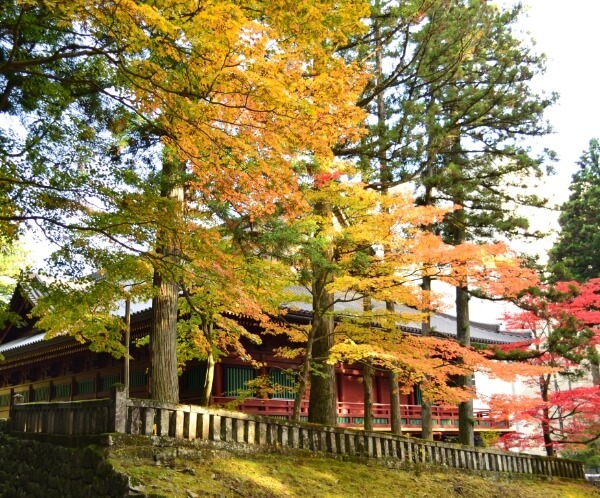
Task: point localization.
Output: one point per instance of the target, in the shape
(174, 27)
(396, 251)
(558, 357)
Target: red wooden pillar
(218, 382)
(377, 379)
(340, 386)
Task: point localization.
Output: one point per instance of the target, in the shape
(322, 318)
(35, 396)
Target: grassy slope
(222, 474)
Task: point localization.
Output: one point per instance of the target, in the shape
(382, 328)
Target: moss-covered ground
(224, 474)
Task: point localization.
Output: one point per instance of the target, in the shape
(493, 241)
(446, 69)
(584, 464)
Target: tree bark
(595, 372)
(395, 415)
(208, 380)
(163, 341)
(304, 375)
(368, 375)
(164, 383)
(426, 417)
(385, 177)
(457, 232)
(466, 432)
(426, 421)
(546, 427)
(323, 396)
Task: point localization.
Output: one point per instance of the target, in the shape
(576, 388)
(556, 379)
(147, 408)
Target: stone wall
(34, 469)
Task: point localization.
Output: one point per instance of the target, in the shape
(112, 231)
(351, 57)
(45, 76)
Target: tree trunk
(426, 417)
(323, 397)
(164, 383)
(208, 380)
(304, 375)
(368, 375)
(458, 233)
(385, 177)
(546, 427)
(426, 421)
(466, 433)
(595, 372)
(395, 415)
(368, 395)
(163, 341)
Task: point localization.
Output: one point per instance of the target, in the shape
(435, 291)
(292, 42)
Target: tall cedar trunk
(426, 415)
(304, 375)
(466, 429)
(466, 433)
(323, 397)
(426, 418)
(367, 379)
(426, 421)
(385, 178)
(457, 232)
(395, 415)
(163, 340)
(164, 384)
(546, 428)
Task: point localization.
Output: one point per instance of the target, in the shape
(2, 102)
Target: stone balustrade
(147, 417)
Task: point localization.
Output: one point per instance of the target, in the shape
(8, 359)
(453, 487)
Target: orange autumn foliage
(493, 269)
(380, 249)
(245, 88)
(236, 89)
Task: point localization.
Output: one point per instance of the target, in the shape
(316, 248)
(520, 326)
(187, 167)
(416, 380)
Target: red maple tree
(564, 319)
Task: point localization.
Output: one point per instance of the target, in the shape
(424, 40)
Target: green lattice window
(380, 421)
(86, 387)
(343, 420)
(137, 379)
(109, 381)
(284, 384)
(193, 378)
(418, 395)
(5, 400)
(236, 380)
(41, 394)
(62, 390)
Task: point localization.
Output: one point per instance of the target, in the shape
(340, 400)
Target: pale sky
(569, 35)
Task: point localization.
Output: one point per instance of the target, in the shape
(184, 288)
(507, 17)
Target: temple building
(34, 368)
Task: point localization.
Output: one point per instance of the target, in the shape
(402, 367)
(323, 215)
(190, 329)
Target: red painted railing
(445, 418)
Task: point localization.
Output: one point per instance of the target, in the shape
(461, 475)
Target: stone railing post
(118, 409)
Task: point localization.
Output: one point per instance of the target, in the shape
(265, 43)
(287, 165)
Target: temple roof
(442, 324)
